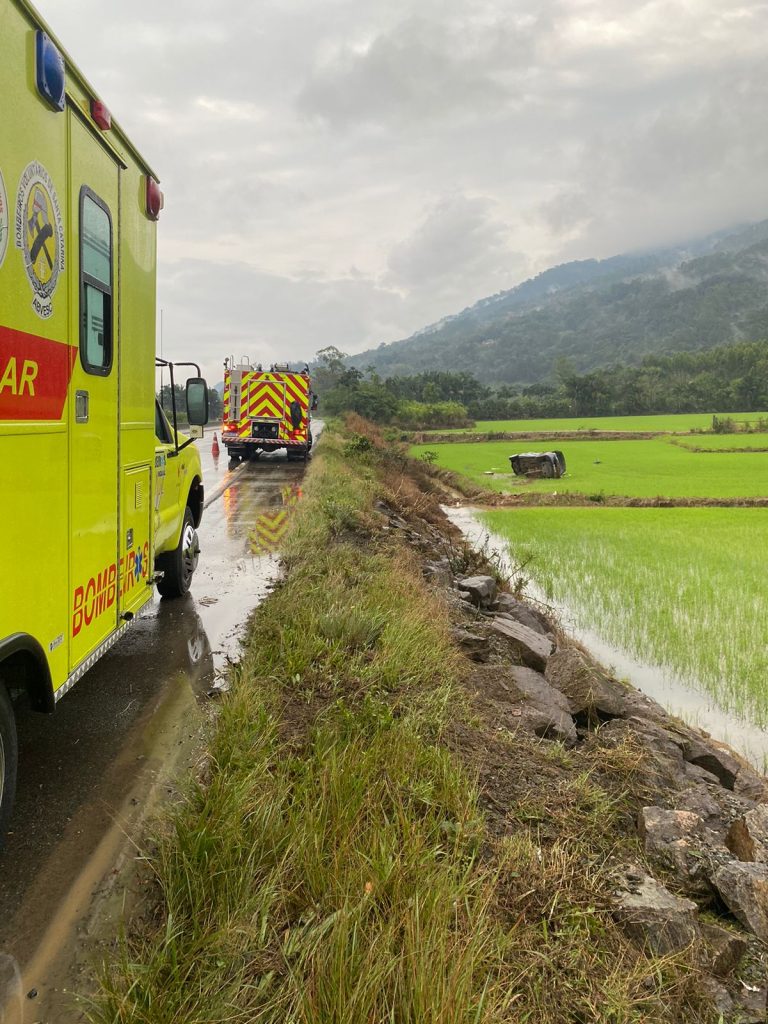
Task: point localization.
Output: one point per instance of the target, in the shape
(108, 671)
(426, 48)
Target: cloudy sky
(347, 171)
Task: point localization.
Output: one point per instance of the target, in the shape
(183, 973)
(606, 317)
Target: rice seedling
(682, 422)
(682, 588)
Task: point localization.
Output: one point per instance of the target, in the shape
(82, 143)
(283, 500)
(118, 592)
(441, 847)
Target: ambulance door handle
(81, 407)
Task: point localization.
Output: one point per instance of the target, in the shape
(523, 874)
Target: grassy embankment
(332, 863)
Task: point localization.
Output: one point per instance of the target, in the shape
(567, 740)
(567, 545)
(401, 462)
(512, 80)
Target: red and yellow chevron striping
(267, 396)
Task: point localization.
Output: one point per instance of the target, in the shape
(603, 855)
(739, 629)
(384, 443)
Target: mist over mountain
(707, 292)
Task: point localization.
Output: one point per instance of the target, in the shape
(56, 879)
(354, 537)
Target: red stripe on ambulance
(34, 376)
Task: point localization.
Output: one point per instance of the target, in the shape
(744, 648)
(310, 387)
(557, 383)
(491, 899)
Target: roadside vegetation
(334, 862)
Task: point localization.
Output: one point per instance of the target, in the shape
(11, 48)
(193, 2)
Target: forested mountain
(596, 313)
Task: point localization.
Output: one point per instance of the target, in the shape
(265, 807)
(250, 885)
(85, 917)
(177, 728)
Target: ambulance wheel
(8, 760)
(179, 565)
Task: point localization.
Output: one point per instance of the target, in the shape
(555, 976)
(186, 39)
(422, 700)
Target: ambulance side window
(162, 430)
(95, 284)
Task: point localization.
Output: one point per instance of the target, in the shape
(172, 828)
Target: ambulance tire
(8, 760)
(179, 566)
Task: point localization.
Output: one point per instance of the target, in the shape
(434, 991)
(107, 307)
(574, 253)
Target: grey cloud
(212, 310)
(426, 144)
(459, 246)
(415, 71)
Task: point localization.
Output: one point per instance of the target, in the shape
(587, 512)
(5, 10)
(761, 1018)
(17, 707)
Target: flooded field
(671, 599)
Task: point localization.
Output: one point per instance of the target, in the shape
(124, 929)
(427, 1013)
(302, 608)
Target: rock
(651, 916)
(439, 571)
(555, 721)
(752, 1004)
(532, 648)
(663, 761)
(751, 785)
(481, 589)
(522, 612)
(475, 647)
(714, 758)
(697, 774)
(588, 690)
(699, 800)
(718, 997)
(718, 807)
(680, 842)
(744, 890)
(725, 948)
(747, 837)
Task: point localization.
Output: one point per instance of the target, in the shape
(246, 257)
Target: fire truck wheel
(8, 760)
(179, 565)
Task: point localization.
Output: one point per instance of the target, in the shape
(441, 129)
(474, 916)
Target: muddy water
(90, 773)
(694, 706)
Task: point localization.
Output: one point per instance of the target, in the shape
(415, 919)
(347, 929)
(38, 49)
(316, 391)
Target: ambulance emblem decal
(40, 235)
(4, 219)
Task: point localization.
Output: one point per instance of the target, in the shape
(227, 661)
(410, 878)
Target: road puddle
(693, 705)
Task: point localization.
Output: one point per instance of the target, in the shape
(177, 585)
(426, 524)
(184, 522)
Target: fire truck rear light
(155, 200)
(49, 71)
(101, 115)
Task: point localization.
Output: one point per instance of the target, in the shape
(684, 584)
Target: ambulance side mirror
(314, 403)
(197, 402)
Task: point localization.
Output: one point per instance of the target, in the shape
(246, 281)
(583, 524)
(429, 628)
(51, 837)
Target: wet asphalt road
(89, 772)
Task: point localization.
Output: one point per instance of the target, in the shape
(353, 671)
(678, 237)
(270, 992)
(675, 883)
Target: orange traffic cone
(215, 447)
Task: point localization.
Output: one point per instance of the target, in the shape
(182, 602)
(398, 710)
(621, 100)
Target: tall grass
(325, 868)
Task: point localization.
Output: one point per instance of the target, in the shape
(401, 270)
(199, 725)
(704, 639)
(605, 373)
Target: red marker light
(155, 200)
(101, 115)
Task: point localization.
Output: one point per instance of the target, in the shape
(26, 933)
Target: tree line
(729, 378)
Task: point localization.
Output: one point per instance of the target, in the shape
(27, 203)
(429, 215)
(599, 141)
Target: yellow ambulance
(100, 494)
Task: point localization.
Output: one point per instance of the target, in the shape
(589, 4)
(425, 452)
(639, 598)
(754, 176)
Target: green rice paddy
(641, 469)
(681, 588)
(722, 442)
(678, 422)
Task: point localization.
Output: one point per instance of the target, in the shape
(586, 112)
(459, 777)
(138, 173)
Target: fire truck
(101, 493)
(265, 410)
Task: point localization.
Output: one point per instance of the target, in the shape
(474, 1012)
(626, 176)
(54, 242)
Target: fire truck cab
(101, 494)
(265, 410)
